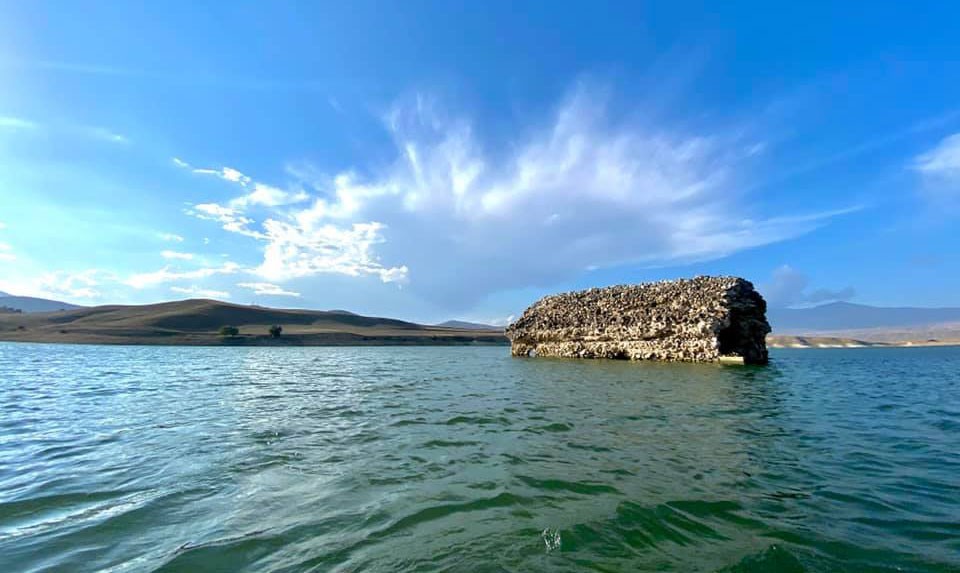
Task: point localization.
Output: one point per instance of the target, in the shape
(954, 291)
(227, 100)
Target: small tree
(229, 331)
(276, 330)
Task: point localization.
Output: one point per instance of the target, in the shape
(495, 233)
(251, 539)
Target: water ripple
(128, 459)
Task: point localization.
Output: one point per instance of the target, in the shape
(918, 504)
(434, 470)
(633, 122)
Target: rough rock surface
(690, 320)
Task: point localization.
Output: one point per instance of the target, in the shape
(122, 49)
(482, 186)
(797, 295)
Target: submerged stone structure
(703, 319)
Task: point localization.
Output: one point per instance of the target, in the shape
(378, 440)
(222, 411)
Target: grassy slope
(197, 322)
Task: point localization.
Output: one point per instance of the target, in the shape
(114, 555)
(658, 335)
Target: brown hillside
(198, 322)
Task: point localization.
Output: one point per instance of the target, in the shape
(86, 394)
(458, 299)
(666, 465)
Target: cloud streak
(231, 219)
(943, 161)
(6, 252)
(107, 135)
(195, 291)
(16, 123)
(175, 255)
(256, 193)
(939, 169)
(76, 285)
(268, 289)
(166, 275)
(173, 78)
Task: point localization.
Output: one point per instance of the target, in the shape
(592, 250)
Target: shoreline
(350, 339)
(293, 340)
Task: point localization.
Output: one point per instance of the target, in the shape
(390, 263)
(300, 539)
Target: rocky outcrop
(691, 320)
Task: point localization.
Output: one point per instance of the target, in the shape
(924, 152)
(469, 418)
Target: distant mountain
(463, 325)
(4, 294)
(847, 316)
(31, 304)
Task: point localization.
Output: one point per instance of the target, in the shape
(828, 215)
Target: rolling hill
(197, 322)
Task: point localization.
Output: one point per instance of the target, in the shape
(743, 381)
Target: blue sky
(431, 160)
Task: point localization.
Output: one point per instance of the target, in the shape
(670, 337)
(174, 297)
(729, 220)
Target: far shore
(799, 341)
(435, 338)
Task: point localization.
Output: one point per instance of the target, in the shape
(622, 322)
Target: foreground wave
(461, 459)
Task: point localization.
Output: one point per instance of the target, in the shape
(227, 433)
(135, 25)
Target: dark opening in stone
(729, 340)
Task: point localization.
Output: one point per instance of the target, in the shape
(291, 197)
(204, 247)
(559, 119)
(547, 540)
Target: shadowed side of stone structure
(690, 320)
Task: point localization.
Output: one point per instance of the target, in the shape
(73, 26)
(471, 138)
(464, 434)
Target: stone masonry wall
(689, 320)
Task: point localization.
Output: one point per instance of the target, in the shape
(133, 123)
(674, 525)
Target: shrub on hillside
(229, 331)
(276, 330)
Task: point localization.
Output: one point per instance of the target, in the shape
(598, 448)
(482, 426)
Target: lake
(465, 459)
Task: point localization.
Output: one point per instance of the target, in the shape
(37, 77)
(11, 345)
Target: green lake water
(465, 459)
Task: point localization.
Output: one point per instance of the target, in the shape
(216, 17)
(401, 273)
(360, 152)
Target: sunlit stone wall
(690, 320)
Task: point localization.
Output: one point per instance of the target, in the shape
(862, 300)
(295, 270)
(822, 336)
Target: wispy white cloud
(849, 152)
(176, 255)
(300, 247)
(943, 161)
(201, 292)
(170, 237)
(268, 196)
(178, 77)
(6, 253)
(459, 219)
(939, 170)
(233, 216)
(267, 289)
(166, 275)
(17, 123)
(755, 149)
(105, 134)
(85, 286)
(74, 130)
(301, 250)
(232, 219)
(75, 67)
(225, 173)
(74, 285)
